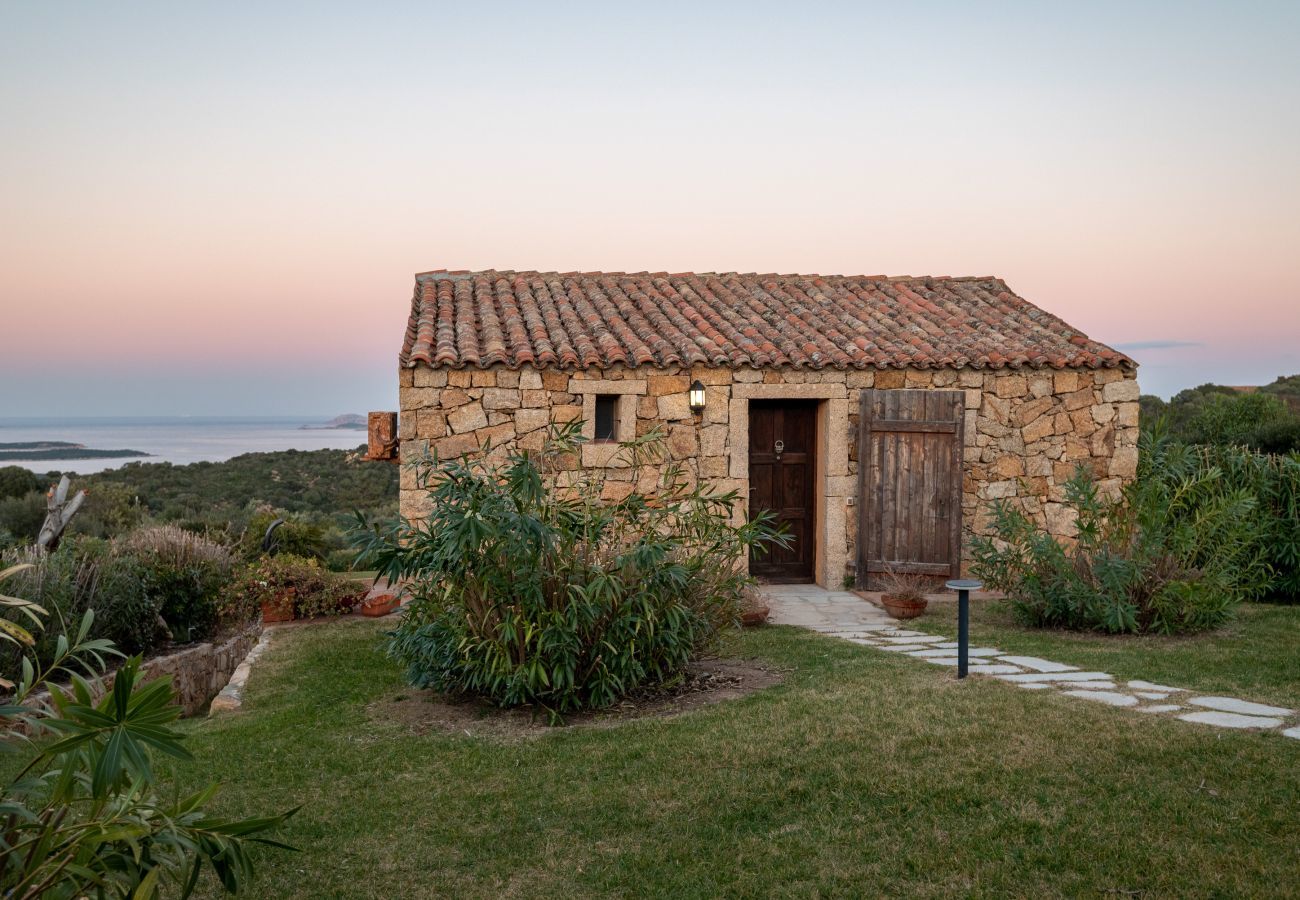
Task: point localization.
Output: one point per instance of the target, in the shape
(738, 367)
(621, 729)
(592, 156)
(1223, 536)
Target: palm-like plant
(82, 817)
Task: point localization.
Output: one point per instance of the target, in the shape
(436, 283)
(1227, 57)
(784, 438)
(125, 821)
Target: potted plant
(278, 606)
(903, 594)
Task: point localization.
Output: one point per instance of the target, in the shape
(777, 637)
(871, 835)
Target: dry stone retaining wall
(1025, 430)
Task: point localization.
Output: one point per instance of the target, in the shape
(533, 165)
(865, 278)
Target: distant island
(47, 450)
(349, 421)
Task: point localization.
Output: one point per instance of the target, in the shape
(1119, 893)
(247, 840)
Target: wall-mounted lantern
(697, 397)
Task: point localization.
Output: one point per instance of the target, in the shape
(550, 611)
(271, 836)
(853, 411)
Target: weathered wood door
(909, 481)
(782, 450)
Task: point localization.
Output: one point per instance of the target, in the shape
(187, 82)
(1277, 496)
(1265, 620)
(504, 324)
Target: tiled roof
(580, 320)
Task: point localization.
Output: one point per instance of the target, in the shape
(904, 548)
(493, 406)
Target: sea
(173, 439)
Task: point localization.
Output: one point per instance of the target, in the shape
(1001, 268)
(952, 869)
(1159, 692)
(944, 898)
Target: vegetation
(533, 591)
(301, 583)
(84, 815)
(233, 501)
(1175, 553)
(862, 773)
(1267, 419)
(53, 454)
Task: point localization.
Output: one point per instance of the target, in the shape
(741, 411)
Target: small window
(606, 418)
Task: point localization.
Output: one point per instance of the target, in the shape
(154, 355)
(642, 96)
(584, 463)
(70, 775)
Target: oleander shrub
(1175, 553)
(561, 589)
(310, 588)
(183, 572)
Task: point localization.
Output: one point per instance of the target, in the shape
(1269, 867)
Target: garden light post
(963, 587)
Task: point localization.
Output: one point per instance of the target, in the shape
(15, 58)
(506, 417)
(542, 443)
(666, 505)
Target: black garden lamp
(697, 397)
(963, 587)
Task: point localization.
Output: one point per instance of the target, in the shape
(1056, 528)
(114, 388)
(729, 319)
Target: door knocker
(779, 448)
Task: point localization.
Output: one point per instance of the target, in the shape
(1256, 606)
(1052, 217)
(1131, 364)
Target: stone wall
(198, 673)
(1025, 431)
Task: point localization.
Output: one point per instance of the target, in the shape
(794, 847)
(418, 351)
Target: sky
(218, 208)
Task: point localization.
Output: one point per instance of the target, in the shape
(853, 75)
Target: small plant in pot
(903, 594)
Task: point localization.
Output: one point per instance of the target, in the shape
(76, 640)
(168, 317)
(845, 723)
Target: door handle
(779, 448)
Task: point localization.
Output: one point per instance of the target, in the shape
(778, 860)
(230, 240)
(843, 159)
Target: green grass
(1254, 657)
(863, 774)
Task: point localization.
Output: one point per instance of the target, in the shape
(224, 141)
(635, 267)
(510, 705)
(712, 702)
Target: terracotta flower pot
(379, 605)
(754, 616)
(280, 609)
(901, 608)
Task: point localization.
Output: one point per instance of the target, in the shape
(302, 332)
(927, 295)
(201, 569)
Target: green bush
(23, 516)
(296, 537)
(529, 588)
(184, 573)
(15, 481)
(311, 589)
(1174, 554)
(84, 575)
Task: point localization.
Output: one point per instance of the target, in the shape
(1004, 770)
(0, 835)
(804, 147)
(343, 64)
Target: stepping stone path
(846, 615)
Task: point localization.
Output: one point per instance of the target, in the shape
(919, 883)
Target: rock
(1038, 665)
(1233, 705)
(1160, 708)
(1292, 733)
(674, 407)
(1058, 676)
(1230, 720)
(467, 419)
(1149, 686)
(1120, 391)
(1108, 697)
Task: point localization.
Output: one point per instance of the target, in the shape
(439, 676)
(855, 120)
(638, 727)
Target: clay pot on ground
(280, 609)
(380, 605)
(754, 615)
(904, 606)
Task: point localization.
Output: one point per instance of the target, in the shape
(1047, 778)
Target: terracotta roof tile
(580, 320)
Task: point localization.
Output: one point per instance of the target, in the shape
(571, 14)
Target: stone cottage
(876, 417)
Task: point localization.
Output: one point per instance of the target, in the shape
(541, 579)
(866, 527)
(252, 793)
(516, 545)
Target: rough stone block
(423, 376)
(507, 378)
(459, 378)
(674, 407)
(1045, 426)
(1124, 462)
(554, 380)
(501, 398)
(483, 378)
(1120, 391)
(418, 398)
(1007, 386)
(470, 417)
(748, 375)
(890, 379)
(1065, 382)
(1103, 413)
(527, 420)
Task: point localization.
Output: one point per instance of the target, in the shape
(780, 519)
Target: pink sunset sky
(219, 208)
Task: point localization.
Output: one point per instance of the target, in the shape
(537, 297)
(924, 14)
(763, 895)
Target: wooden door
(782, 450)
(909, 483)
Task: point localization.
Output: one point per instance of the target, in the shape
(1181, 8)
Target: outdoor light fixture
(697, 397)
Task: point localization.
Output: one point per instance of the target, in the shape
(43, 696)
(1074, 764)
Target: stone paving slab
(847, 616)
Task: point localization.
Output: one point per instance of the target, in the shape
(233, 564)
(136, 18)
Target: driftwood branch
(60, 511)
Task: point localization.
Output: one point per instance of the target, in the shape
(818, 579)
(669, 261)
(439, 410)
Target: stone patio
(847, 616)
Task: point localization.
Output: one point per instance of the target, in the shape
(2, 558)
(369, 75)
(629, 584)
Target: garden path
(847, 616)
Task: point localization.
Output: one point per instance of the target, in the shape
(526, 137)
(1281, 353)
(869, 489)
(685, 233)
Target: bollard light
(963, 587)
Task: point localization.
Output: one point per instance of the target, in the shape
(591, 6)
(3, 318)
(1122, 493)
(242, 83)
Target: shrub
(314, 591)
(1174, 554)
(296, 537)
(531, 589)
(84, 817)
(183, 572)
(23, 516)
(15, 481)
(83, 576)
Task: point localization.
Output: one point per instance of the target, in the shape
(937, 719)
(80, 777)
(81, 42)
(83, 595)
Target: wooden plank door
(782, 450)
(909, 483)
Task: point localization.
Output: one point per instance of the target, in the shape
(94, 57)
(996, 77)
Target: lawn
(1256, 656)
(862, 774)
